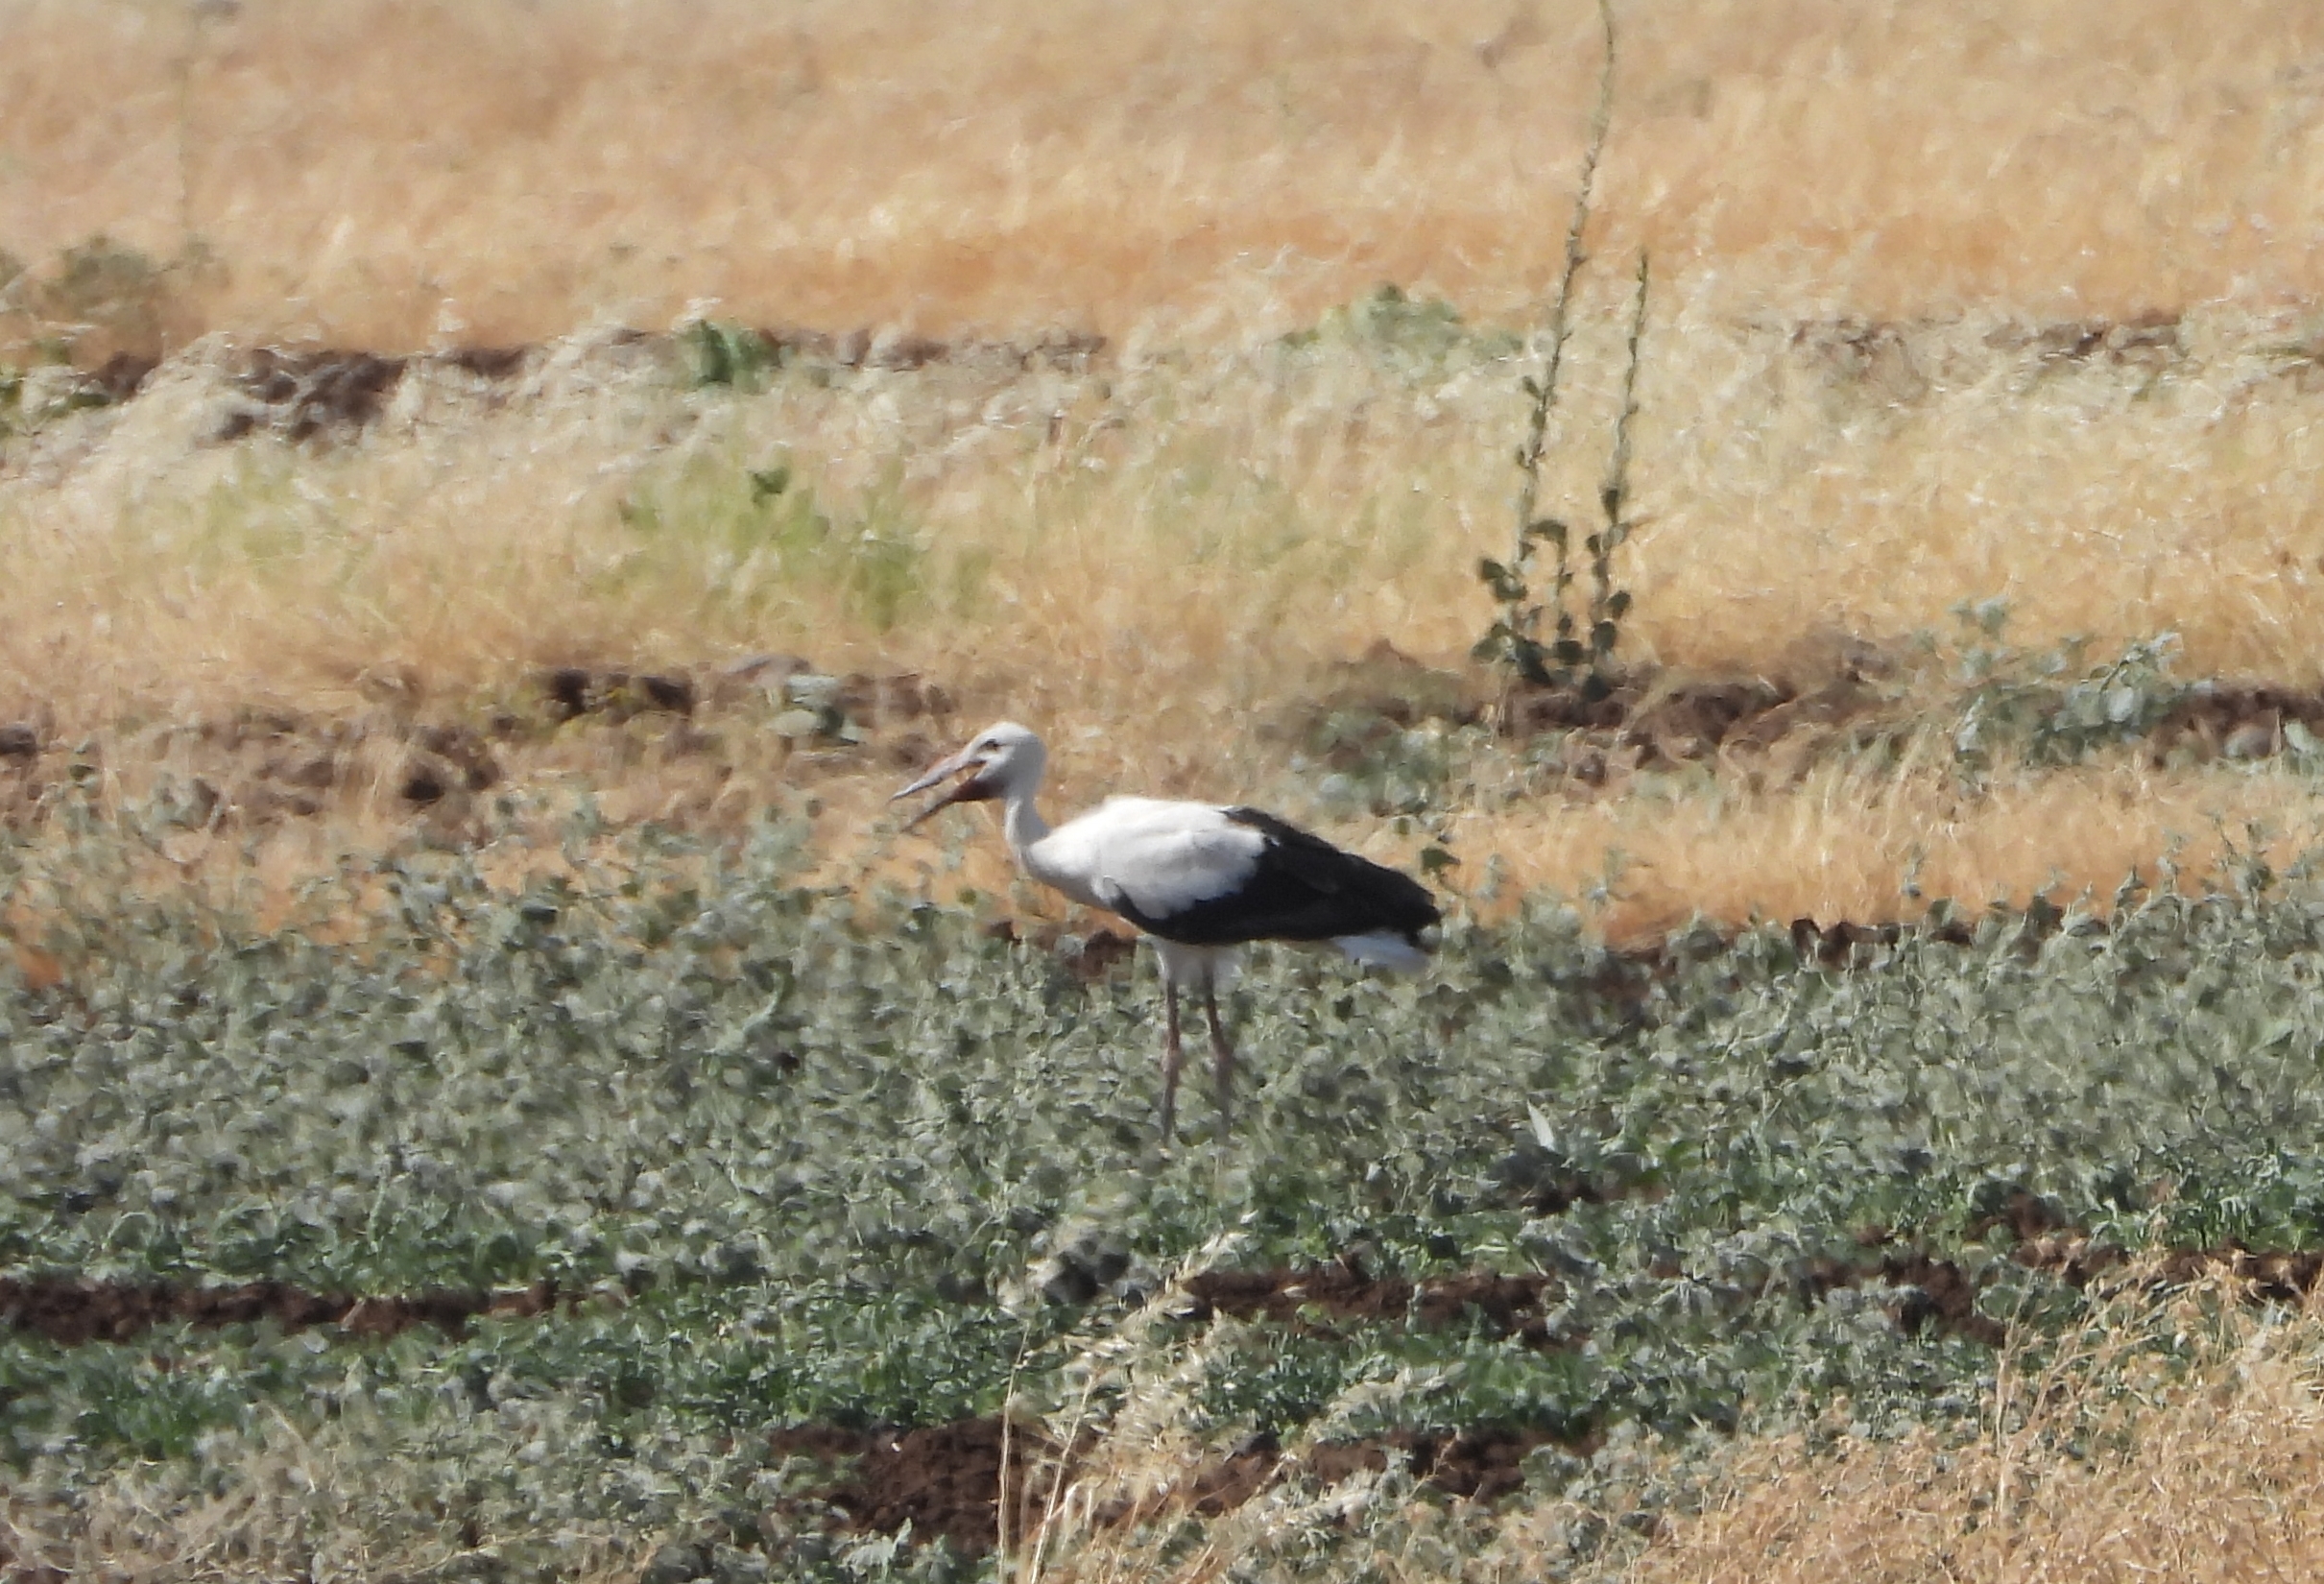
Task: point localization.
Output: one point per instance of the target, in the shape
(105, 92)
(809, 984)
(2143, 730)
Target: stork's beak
(964, 790)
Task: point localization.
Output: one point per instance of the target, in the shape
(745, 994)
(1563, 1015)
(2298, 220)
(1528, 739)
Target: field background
(1977, 434)
(1881, 233)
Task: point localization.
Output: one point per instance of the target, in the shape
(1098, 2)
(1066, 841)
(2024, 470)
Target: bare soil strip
(944, 1478)
(1651, 722)
(1511, 1302)
(2048, 1243)
(1933, 1294)
(333, 393)
(71, 1312)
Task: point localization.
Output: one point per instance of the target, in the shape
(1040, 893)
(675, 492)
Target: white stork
(1200, 879)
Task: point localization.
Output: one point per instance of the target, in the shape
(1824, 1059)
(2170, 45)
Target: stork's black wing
(1302, 888)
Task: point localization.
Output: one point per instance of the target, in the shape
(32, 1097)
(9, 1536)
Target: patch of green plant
(46, 391)
(2057, 706)
(102, 289)
(717, 352)
(1408, 334)
(1386, 769)
(741, 539)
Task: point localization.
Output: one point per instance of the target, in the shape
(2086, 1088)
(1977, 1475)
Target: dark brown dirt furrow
(946, 1479)
(2261, 1276)
(1934, 1294)
(71, 1312)
(1344, 1291)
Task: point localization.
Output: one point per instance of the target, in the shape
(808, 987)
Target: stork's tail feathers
(1385, 948)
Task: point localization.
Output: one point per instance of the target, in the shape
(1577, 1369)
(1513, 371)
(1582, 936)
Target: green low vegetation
(795, 1156)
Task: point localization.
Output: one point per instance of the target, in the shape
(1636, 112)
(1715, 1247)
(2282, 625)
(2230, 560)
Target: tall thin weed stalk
(1608, 605)
(1515, 637)
(1584, 632)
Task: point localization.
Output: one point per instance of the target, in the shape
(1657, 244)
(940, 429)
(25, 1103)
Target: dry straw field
(370, 363)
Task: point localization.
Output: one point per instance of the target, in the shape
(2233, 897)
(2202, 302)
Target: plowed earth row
(944, 1478)
(70, 1311)
(1935, 1292)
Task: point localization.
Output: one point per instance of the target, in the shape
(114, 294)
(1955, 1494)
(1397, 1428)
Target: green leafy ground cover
(805, 1158)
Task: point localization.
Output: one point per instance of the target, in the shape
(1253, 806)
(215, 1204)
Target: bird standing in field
(1200, 879)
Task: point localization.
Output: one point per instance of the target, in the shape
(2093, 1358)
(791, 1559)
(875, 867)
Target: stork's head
(999, 760)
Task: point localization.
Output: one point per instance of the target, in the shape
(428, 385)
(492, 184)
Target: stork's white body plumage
(1200, 879)
(1159, 860)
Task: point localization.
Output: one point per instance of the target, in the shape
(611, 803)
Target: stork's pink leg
(1222, 1056)
(1173, 1058)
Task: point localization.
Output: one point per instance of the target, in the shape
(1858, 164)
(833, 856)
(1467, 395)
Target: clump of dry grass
(1850, 843)
(359, 1500)
(2103, 1464)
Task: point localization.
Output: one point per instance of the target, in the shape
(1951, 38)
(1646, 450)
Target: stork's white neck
(1021, 821)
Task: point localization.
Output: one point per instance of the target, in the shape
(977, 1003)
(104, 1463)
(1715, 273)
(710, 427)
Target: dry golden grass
(2098, 1467)
(1842, 845)
(381, 173)
(1131, 556)
(1846, 844)
(328, 1504)
(1173, 532)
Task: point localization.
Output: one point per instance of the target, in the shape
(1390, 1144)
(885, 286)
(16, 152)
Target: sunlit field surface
(380, 175)
(494, 497)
